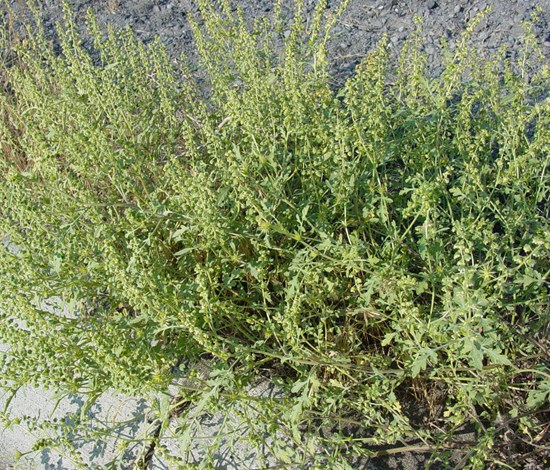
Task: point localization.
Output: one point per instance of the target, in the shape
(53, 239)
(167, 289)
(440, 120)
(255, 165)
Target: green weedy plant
(375, 246)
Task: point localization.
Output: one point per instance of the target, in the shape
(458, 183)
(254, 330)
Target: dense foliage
(379, 249)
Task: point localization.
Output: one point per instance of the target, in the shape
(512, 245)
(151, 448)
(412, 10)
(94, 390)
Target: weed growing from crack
(375, 246)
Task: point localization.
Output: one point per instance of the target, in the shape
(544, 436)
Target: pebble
(472, 13)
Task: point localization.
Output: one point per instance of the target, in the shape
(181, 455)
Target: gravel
(360, 28)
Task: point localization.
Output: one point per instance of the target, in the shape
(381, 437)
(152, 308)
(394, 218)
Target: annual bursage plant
(379, 251)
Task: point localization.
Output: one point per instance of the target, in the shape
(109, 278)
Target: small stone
(371, 14)
(376, 25)
(432, 4)
(458, 9)
(473, 13)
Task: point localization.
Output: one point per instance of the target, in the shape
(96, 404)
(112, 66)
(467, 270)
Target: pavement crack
(143, 461)
(176, 408)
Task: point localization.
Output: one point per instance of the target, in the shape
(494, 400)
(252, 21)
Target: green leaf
(421, 287)
(496, 357)
(185, 440)
(183, 251)
(177, 235)
(299, 385)
(388, 338)
(420, 362)
(540, 395)
(476, 354)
